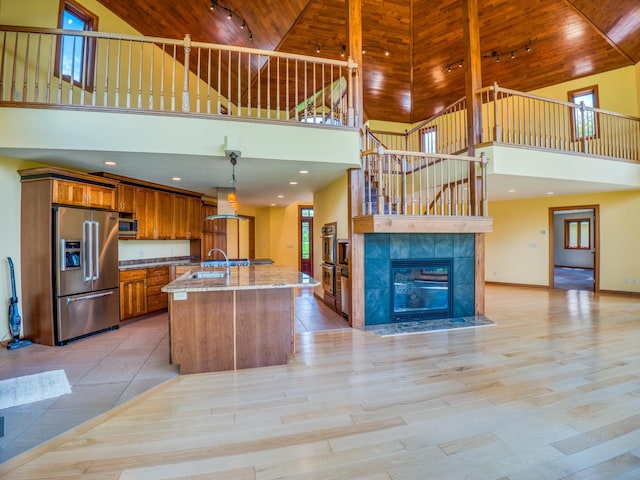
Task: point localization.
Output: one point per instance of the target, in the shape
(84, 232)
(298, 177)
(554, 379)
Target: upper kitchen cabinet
(162, 212)
(126, 198)
(154, 214)
(83, 194)
(66, 187)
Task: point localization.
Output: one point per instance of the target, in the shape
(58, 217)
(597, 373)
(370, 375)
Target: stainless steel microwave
(127, 227)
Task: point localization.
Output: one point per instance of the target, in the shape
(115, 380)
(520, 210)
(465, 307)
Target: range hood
(225, 210)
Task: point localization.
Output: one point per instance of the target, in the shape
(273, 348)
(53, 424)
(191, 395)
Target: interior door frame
(596, 242)
(300, 219)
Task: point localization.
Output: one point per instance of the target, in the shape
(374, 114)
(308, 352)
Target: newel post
(186, 98)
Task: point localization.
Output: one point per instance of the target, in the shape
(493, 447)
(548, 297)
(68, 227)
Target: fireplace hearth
(422, 289)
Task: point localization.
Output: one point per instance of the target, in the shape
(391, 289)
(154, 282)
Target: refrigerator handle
(87, 241)
(88, 297)
(96, 258)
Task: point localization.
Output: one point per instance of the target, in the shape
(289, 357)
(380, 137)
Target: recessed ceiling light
(109, 162)
(280, 196)
(273, 204)
(293, 183)
(176, 179)
(511, 190)
(304, 171)
(549, 193)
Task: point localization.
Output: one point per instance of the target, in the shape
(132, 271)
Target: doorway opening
(574, 240)
(305, 240)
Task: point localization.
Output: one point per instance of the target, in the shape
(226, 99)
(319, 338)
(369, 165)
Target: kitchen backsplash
(143, 249)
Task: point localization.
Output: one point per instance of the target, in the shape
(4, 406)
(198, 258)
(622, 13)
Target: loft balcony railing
(400, 182)
(96, 70)
(514, 118)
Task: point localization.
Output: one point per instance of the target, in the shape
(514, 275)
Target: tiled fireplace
(411, 276)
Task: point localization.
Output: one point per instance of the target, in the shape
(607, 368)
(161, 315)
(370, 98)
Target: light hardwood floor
(551, 391)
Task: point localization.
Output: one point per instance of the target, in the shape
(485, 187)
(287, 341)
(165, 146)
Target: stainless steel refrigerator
(85, 243)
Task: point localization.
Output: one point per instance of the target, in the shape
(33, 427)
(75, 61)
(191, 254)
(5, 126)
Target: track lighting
(215, 5)
(496, 55)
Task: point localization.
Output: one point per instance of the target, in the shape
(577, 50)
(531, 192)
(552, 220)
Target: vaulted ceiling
(567, 39)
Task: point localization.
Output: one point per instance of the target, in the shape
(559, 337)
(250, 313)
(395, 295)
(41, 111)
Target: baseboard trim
(521, 285)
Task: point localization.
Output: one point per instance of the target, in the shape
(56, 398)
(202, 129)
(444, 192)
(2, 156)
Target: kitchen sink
(207, 275)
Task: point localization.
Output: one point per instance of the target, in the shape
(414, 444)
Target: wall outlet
(626, 280)
(532, 245)
(141, 253)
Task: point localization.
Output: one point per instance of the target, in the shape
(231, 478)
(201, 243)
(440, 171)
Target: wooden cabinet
(187, 217)
(214, 232)
(133, 293)
(126, 198)
(141, 291)
(194, 218)
(157, 278)
(153, 212)
(83, 194)
(164, 216)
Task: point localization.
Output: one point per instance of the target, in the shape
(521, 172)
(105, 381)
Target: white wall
(571, 257)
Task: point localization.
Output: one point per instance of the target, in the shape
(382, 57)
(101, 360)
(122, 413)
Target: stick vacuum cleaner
(14, 315)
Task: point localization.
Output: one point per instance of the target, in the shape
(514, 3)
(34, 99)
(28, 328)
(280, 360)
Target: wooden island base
(232, 329)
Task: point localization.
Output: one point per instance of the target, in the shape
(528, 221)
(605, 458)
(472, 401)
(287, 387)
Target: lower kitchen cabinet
(133, 293)
(157, 278)
(140, 291)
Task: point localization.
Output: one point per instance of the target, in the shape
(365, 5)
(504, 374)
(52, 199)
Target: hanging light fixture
(228, 206)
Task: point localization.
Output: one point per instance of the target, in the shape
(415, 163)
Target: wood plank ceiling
(568, 39)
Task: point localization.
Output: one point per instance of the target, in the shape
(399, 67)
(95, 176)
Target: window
(588, 96)
(577, 234)
(75, 56)
(429, 140)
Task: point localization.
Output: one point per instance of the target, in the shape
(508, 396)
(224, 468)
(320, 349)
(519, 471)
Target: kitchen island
(243, 318)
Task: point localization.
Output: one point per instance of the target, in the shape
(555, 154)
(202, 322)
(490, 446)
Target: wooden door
(146, 213)
(126, 198)
(180, 224)
(305, 239)
(194, 218)
(69, 193)
(101, 197)
(164, 216)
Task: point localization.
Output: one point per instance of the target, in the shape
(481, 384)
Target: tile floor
(106, 370)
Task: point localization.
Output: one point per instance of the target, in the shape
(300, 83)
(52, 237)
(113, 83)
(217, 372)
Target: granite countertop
(242, 278)
(156, 262)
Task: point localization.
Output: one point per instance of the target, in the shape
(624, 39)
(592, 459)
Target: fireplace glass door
(422, 289)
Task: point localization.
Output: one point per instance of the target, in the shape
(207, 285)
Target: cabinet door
(194, 218)
(126, 198)
(146, 213)
(180, 216)
(133, 298)
(69, 193)
(208, 226)
(164, 217)
(101, 197)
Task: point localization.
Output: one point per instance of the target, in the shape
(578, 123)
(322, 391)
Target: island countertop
(242, 278)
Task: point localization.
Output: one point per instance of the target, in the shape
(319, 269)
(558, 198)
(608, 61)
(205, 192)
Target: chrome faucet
(228, 269)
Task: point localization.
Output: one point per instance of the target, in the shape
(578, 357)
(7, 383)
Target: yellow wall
(10, 238)
(329, 205)
(518, 249)
(618, 90)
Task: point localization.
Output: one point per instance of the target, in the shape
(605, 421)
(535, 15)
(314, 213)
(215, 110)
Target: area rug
(32, 388)
(423, 326)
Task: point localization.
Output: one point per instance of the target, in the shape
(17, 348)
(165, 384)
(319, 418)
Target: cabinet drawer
(154, 289)
(157, 302)
(158, 275)
(132, 274)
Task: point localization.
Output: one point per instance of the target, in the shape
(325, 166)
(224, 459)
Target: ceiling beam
(597, 29)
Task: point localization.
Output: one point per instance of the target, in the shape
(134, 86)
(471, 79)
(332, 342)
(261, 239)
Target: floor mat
(32, 388)
(422, 326)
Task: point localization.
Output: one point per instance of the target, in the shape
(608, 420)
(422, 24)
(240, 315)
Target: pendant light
(228, 206)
